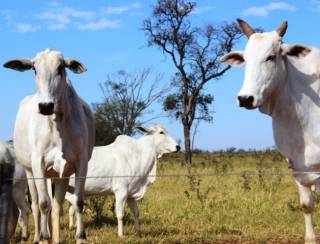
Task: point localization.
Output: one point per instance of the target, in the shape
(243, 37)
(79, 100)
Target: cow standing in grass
(125, 168)
(19, 203)
(283, 81)
(53, 137)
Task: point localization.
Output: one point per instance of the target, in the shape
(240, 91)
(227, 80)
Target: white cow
(53, 137)
(283, 81)
(133, 161)
(19, 187)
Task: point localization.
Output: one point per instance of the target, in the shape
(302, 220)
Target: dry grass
(211, 209)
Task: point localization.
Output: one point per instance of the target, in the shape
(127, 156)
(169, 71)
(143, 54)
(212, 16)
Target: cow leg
(19, 198)
(71, 199)
(79, 202)
(44, 199)
(12, 219)
(135, 211)
(34, 206)
(71, 217)
(60, 188)
(307, 203)
(121, 198)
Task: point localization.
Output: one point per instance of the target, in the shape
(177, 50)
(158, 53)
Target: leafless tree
(195, 53)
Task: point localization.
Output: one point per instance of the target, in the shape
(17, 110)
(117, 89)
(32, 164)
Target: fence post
(6, 176)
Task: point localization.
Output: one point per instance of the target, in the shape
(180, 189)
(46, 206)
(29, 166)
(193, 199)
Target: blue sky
(105, 36)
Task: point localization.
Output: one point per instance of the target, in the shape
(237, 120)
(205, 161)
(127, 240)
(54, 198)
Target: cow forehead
(263, 43)
(48, 59)
(157, 128)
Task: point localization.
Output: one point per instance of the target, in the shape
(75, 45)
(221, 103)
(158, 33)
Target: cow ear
(22, 64)
(143, 130)
(295, 50)
(75, 65)
(233, 59)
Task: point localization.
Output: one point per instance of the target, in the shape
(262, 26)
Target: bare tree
(127, 98)
(195, 53)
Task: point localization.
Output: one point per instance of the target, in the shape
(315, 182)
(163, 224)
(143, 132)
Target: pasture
(239, 208)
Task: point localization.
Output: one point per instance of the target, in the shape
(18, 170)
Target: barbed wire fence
(209, 174)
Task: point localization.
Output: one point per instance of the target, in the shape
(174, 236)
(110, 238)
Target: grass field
(234, 208)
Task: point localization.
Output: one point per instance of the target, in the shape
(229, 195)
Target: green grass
(210, 209)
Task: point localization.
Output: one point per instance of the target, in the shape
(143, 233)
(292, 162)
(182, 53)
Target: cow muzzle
(178, 148)
(246, 102)
(46, 108)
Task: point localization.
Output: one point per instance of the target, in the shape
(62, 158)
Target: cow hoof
(81, 241)
(56, 242)
(310, 241)
(24, 239)
(44, 242)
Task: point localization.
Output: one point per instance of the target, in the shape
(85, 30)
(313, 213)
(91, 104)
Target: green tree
(126, 98)
(195, 53)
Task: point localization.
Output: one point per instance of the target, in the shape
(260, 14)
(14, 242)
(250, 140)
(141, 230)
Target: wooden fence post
(6, 177)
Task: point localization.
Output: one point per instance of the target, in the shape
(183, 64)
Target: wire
(211, 174)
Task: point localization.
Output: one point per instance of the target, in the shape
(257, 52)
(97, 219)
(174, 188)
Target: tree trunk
(187, 145)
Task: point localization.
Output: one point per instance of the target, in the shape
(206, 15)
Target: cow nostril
(50, 106)
(178, 148)
(250, 99)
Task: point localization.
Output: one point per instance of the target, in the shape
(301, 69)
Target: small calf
(131, 165)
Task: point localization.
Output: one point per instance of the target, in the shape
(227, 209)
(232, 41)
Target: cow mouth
(249, 107)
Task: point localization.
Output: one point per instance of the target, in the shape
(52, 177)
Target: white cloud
(265, 10)
(121, 9)
(100, 24)
(54, 3)
(58, 16)
(203, 9)
(115, 10)
(136, 5)
(24, 28)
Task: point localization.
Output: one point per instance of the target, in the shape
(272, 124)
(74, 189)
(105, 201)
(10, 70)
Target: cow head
(263, 57)
(50, 75)
(161, 139)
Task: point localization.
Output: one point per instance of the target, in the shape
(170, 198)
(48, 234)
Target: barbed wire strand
(211, 174)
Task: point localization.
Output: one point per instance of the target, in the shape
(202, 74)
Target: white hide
(287, 87)
(135, 158)
(53, 137)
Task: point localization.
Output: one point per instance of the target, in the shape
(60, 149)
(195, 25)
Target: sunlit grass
(236, 209)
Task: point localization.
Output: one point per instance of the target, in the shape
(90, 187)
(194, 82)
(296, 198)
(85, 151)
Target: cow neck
(299, 95)
(148, 155)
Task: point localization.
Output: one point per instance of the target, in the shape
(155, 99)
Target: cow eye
(271, 58)
(162, 133)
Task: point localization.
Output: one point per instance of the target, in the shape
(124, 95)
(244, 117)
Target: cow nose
(178, 148)
(246, 101)
(46, 108)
